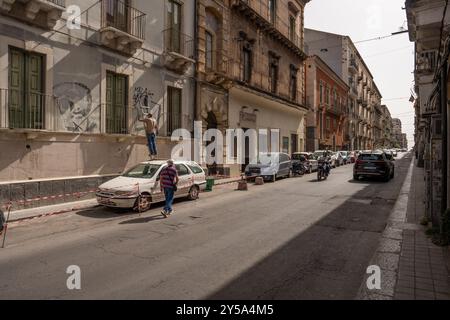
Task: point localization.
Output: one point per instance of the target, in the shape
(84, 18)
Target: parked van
(270, 166)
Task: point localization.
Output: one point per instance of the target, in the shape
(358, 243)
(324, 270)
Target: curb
(387, 254)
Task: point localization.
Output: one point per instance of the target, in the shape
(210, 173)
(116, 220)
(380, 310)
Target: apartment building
(428, 29)
(251, 72)
(327, 119)
(340, 53)
(76, 77)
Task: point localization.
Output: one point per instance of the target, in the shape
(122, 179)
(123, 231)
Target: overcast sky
(391, 60)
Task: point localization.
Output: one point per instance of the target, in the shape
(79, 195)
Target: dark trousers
(169, 194)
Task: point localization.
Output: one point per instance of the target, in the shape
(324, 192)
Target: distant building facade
(327, 97)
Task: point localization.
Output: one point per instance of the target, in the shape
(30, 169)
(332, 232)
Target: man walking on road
(151, 128)
(168, 180)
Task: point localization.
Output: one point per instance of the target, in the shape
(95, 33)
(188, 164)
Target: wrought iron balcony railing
(25, 109)
(117, 14)
(177, 42)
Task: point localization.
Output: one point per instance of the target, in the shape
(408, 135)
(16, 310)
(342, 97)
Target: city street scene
(217, 150)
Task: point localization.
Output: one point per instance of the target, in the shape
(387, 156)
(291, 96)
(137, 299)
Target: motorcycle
(299, 168)
(323, 170)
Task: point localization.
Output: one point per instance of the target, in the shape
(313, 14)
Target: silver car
(270, 166)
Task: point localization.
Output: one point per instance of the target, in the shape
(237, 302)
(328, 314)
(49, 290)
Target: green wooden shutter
(116, 103)
(120, 103)
(35, 100)
(16, 88)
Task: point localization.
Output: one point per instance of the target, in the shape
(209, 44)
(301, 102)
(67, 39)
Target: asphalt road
(293, 239)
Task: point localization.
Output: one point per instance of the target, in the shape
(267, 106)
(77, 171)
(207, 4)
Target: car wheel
(143, 203)
(387, 178)
(393, 174)
(355, 177)
(193, 193)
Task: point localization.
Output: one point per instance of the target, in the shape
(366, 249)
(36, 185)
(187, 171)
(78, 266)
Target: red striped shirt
(167, 177)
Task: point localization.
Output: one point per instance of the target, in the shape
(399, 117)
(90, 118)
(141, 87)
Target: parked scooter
(299, 168)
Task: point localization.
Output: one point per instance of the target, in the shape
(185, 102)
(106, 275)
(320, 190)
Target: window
(328, 123)
(273, 72)
(292, 25)
(272, 11)
(321, 93)
(174, 10)
(116, 103)
(181, 169)
(247, 61)
(327, 96)
(195, 169)
(293, 83)
(26, 90)
(209, 39)
(285, 145)
(294, 143)
(173, 109)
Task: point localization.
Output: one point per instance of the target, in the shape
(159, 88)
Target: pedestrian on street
(151, 129)
(168, 180)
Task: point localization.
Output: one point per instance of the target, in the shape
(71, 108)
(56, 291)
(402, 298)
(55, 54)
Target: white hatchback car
(139, 187)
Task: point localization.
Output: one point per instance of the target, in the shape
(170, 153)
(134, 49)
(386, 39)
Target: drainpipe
(196, 65)
(444, 108)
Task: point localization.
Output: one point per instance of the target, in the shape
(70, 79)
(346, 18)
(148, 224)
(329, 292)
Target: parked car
(270, 166)
(374, 164)
(319, 153)
(312, 163)
(336, 159)
(139, 187)
(345, 156)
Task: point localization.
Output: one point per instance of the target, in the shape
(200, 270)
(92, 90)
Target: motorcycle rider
(326, 158)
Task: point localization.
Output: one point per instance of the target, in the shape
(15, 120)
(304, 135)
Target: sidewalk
(412, 267)
(423, 266)
(45, 211)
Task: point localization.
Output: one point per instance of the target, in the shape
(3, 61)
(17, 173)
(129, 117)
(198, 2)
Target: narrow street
(293, 239)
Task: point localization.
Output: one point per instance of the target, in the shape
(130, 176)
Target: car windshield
(146, 171)
(268, 158)
(318, 154)
(300, 157)
(370, 157)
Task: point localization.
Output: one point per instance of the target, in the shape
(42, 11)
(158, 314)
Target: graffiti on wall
(143, 103)
(76, 110)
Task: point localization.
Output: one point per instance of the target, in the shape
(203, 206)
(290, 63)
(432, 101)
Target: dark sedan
(374, 164)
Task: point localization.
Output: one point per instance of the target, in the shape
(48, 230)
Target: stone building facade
(339, 52)
(327, 119)
(250, 71)
(76, 76)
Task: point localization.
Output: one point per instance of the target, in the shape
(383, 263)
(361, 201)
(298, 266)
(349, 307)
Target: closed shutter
(34, 114)
(26, 98)
(116, 103)
(16, 88)
(174, 109)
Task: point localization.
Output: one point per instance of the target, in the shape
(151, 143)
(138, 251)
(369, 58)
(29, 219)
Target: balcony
(218, 71)
(353, 66)
(178, 54)
(258, 13)
(122, 27)
(42, 13)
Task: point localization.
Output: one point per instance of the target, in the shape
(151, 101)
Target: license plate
(106, 201)
(370, 168)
